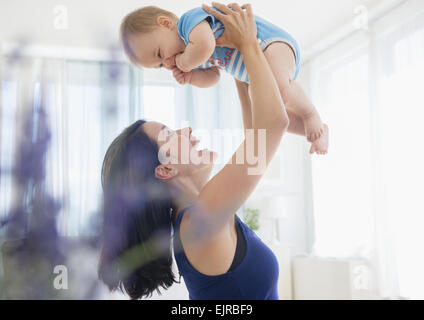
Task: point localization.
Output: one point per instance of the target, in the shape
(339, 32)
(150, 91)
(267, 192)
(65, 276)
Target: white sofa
(317, 278)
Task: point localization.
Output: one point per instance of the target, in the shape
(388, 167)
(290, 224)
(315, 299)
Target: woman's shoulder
(210, 251)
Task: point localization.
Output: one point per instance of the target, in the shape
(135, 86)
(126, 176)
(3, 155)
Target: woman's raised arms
(229, 189)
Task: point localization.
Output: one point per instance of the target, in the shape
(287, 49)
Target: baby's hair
(141, 21)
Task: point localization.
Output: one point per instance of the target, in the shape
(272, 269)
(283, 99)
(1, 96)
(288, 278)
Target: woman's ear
(164, 172)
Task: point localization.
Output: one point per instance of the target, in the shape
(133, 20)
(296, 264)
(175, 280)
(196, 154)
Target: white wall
(95, 23)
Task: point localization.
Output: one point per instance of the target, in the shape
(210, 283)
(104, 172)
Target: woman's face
(177, 149)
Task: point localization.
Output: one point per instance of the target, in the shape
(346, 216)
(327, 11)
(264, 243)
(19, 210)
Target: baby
(155, 38)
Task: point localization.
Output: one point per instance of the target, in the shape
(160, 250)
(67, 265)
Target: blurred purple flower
(31, 222)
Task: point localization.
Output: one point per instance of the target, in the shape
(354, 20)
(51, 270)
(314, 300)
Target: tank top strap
(180, 217)
(177, 221)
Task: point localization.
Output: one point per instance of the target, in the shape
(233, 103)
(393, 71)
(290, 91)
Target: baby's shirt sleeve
(192, 18)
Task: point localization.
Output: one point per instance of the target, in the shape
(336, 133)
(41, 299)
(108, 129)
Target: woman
(150, 190)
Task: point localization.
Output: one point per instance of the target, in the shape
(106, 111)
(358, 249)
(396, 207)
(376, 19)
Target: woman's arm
(229, 189)
(246, 106)
(296, 125)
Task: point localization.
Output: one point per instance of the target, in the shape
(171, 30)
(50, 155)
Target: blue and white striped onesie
(229, 59)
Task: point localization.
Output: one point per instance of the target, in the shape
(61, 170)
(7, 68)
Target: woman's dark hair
(136, 254)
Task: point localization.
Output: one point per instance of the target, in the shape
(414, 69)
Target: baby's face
(157, 48)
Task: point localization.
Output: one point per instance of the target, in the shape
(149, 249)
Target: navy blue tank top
(255, 278)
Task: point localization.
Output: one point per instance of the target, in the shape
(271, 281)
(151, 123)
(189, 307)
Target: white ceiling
(95, 23)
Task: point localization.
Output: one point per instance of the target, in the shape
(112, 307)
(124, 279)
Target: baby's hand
(170, 63)
(181, 76)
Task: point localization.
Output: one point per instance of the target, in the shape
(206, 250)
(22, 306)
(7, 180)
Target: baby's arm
(201, 47)
(205, 78)
(202, 78)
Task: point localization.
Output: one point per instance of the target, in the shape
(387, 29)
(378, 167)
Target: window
(368, 190)
(342, 183)
(401, 103)
(7, 137)
(159, 104)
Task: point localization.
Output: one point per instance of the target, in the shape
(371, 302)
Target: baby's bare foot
(314, 127)
(320, 146)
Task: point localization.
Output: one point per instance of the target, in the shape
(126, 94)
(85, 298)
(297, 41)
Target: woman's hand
(240, 26)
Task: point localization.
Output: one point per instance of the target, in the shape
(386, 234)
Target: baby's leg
(281, 59)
